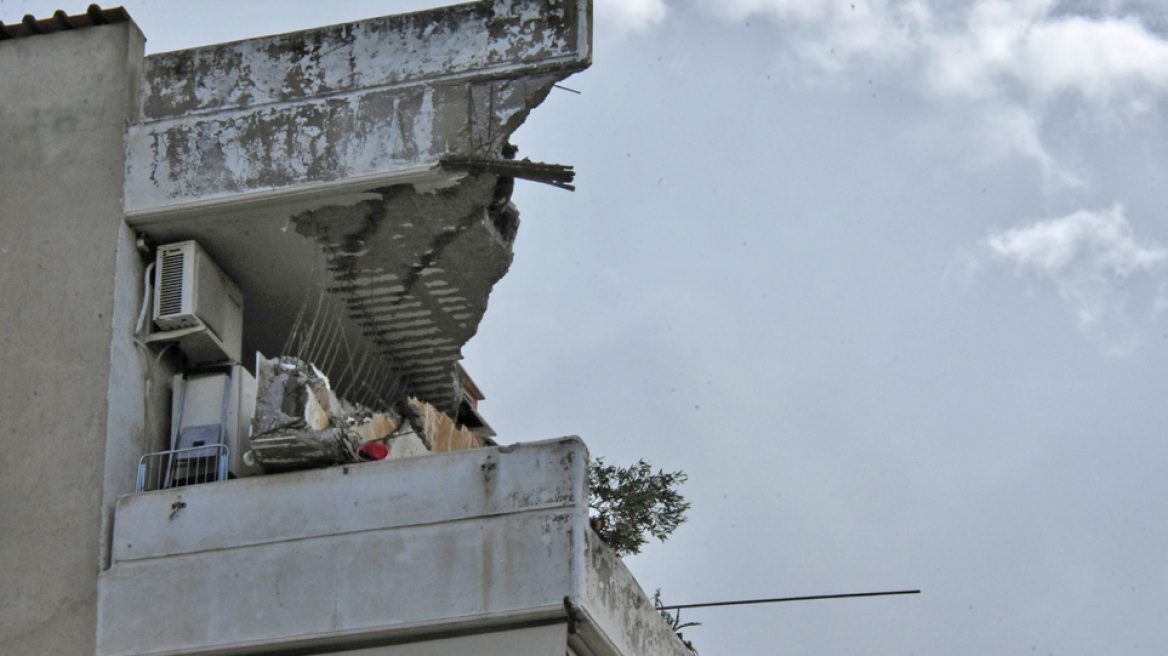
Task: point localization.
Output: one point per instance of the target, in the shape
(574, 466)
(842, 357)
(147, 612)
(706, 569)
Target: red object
(372, 451)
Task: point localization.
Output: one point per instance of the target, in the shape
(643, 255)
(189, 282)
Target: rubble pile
(301, 423)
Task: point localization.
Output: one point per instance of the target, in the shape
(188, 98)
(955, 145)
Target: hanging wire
(744, 602)
(362, 366)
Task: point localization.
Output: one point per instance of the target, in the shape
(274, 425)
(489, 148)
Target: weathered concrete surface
(374, 550)
(366, 100)
(342, 128)
(408, 445)
(373, 553)
(67, 98)
(620, 614)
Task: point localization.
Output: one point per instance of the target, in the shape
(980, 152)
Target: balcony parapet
(379, 553)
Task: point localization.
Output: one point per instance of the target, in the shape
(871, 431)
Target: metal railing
(179, 467)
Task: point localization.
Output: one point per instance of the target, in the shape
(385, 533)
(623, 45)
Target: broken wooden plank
(556, 175)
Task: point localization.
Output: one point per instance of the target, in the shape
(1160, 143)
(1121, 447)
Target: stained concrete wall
(67, 98)
(386, 551)
(391, 552)
(620, 614)
(359, 101)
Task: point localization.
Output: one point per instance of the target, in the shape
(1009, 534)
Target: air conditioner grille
(170, 287)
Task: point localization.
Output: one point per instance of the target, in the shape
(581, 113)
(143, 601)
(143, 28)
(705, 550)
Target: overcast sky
(886, 278)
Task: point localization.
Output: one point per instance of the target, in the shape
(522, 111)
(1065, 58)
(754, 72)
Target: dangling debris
(556, 175)
(300, 423)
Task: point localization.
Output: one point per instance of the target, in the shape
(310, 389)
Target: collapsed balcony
(354, 180)
(351, 184)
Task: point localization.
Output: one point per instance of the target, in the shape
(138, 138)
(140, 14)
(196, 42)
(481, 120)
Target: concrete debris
(407, 445)
(438, 431)
(300, 422)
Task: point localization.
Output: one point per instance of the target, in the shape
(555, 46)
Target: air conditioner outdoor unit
(197, 305)
(212, 408)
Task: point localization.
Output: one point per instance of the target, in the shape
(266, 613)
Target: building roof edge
(60, 22)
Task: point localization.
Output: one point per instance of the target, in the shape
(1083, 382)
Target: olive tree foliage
(628, 503)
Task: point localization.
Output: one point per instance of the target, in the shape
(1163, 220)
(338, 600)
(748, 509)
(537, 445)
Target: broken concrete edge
(60, 22)
(440, 432)
(414, 273)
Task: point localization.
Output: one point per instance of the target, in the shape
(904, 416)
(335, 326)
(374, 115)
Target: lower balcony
(486, 551)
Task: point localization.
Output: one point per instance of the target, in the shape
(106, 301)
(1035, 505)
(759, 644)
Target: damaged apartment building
(236, 283)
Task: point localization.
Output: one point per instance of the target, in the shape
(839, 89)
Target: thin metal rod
(782, 599)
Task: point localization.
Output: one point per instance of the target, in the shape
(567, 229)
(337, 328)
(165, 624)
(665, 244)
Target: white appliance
(197, 305)
(215, 408)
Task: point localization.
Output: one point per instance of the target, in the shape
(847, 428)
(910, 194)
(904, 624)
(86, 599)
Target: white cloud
(1004, 67)
(630, 16)
(1095, 263)
(1105, 61)
(1097, 243)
